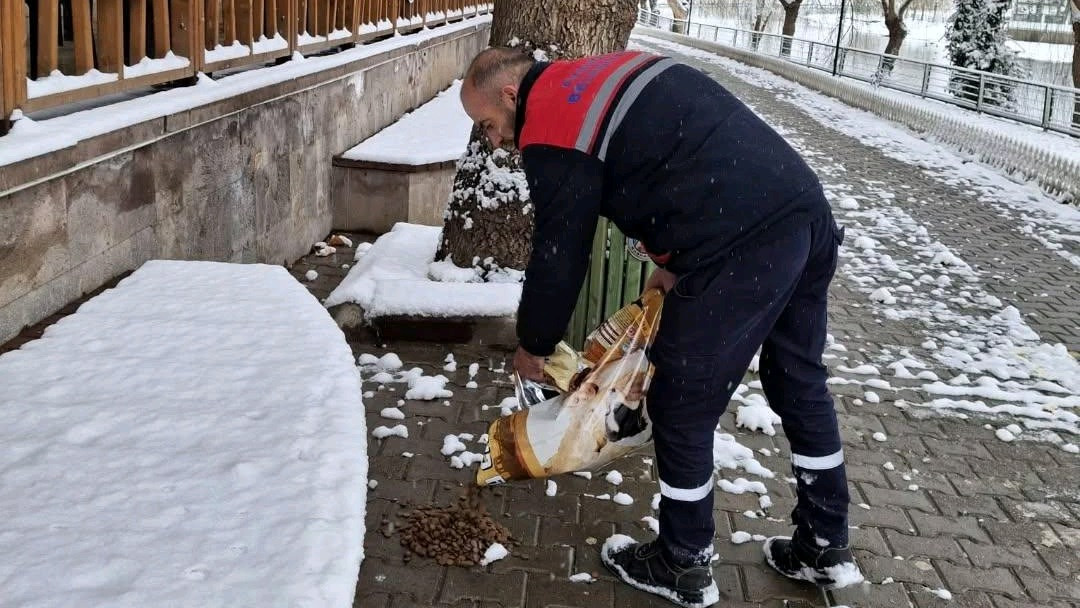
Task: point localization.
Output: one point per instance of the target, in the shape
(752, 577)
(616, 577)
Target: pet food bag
(598, 413)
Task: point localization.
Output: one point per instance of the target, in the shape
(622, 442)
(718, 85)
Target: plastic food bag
(600, 413)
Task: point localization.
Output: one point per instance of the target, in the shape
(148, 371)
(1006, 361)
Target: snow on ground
(28, 138)
(1000, 365)
(190, 436)
(392, 279)
(756, 415)
(1036, 214)
(436, 132)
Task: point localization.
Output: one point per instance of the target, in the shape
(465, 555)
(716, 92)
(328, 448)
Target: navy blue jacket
(659, 148)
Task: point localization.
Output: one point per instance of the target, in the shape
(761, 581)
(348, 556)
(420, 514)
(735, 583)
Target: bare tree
(489, 220)
(678, 14)
(791, 14)
(894, 21)
(760, 15)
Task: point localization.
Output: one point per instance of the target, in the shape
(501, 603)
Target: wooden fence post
(12, 59)
(83, 36)
(47, 43)
(162, 37)
(110, 36)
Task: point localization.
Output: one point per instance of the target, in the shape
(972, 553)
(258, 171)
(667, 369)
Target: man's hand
(528, 366)
(662, 279)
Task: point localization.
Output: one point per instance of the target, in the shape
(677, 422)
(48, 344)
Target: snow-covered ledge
(396, 282)
(193, 437)
(405, 172)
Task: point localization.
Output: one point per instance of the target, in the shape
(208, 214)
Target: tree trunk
(489, 220)
(761, 21)
(897, 32)
(791, 15)
(678, 14)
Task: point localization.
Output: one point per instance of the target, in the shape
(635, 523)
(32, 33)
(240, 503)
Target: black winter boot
(827, 567)
(648, 568)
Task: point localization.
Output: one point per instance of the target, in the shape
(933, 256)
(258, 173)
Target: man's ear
(509, 93)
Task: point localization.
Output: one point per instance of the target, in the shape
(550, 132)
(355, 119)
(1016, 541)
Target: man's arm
(565, 187)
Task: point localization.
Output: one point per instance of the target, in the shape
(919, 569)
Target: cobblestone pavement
(940, 502)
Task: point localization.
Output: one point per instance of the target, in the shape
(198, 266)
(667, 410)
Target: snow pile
(757, 416)
(729, 454)
(742, 486)
(582, 577)
(452, 444)
(740, 537)
(494, 553)
(189, 455)
(392, 413)
(427, 388)
(622, 498)
(392, 279)
(614, 477)
(382, 432)
(551, 488)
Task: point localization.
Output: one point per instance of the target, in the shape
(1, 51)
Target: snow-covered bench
(403, 173)
(193, 437)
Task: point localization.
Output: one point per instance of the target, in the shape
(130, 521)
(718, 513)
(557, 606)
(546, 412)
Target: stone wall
(243, 179)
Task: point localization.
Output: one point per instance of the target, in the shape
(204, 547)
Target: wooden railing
(55, 52)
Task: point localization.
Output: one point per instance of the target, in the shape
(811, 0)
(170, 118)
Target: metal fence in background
(1051, 107)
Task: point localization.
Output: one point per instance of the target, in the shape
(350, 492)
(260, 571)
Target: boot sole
(709, 595)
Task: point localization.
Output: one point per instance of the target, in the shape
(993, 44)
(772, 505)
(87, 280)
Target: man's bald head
(489, 91)
(496, 67)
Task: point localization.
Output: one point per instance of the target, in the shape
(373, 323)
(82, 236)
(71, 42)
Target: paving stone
(1038, 511)
(547, 560)
(506, 588)
(555, 592)
(1062, 560)
(869, 539)
(966, 486)
(529, 500)
(911, 547)
(985, 555)
(924, 597)
(1043, 587)
(961, 578)
(877, 568)
(879, 517)
(951, 527)
(872, 474)
(881, 497)
(892, 595)
(925, 481)
(371, 600)
(420, 582)
(557, 531)
(762, 584)
(979, 505)
(966, 449)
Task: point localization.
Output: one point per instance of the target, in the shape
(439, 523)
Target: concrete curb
(1052, 171)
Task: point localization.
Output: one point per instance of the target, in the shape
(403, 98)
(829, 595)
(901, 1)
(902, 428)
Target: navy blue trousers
(770, 293)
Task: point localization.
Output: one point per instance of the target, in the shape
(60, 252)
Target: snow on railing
(1054, 171)
(54, 53)
(1052, 107)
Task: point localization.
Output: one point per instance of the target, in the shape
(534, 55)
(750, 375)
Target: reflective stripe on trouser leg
(686, 494)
